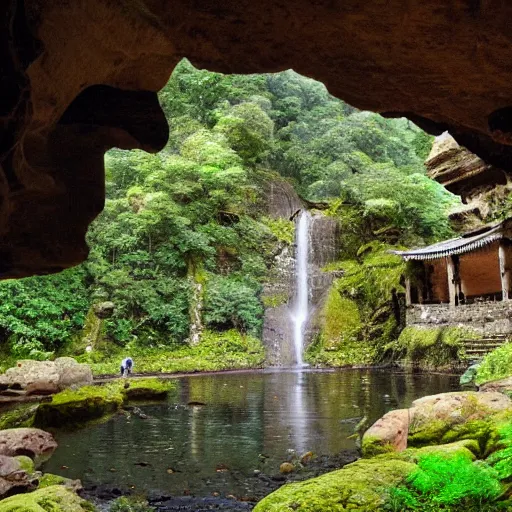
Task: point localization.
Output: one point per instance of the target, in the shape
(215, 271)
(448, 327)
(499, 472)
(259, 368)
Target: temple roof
(467, 242)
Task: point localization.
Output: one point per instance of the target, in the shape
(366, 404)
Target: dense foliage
(184, 243)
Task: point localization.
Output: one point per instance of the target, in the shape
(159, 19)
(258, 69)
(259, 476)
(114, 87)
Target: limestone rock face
(81, 77)
(45, 377)
(461, 171)
(33, 442)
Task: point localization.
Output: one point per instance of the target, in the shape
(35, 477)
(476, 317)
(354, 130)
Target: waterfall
(300, 313)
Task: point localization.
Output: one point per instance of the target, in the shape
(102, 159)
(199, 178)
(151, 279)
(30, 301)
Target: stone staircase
(476, 349)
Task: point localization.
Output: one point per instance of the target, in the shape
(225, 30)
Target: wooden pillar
(452, 290)
(504, 271)
(408, 297)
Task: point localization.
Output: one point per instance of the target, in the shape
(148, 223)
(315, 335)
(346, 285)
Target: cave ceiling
(81, 76)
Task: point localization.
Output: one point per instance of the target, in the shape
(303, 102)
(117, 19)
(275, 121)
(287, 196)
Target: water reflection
(250, 421)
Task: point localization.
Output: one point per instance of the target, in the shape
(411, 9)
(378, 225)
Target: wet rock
(306, 458)
(33, 442)
(286, 467)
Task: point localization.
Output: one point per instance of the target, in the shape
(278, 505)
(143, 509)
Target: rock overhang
(81, 77)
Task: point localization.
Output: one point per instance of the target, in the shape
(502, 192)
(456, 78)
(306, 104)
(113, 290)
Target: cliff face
(80, 77)
(280, 291)
(482, 187)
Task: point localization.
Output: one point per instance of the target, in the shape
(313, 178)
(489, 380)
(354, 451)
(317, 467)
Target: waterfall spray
(300, 313)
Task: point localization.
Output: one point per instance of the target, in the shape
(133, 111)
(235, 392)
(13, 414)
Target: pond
(234, 444)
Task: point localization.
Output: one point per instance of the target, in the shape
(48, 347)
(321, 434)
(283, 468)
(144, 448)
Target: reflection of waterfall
(300, 312)
(299, 415)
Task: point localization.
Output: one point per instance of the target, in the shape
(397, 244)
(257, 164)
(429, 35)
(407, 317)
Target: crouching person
(126, 366)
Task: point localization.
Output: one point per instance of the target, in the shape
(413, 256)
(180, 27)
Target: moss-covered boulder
(467, 448)
(72, 408)
(18, 416)
(450, 417)
(361, 486)
(147, 389)
(50, 499)
(49, 479)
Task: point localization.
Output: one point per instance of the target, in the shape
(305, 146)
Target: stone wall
(487, 317)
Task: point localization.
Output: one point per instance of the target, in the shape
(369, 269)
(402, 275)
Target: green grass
(216, 351)
(496, 365)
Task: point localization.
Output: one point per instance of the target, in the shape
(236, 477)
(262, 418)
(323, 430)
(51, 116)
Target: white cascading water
(300, 313)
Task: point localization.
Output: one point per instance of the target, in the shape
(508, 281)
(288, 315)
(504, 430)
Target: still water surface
(250, 421)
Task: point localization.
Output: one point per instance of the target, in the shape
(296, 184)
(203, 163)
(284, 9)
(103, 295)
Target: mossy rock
(147, 389)
(434, 347)
(19, 416)
(72, 408)
(50, 499)
(468, 448)
(26, 464)
(49, 479)
(361, 486)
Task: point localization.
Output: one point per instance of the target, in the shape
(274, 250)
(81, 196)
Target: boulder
(359, 486)
(13, 478)
(76, 407)
(438, 419)
(45, 377)
(56, 498)
(36, 444)
(448, 417)
(387, 434)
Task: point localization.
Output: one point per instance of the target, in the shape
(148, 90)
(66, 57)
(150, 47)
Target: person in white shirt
(126, 366)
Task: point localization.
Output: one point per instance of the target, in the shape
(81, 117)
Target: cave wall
(79, 77)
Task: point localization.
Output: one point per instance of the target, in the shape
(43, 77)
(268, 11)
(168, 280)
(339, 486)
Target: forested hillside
(185, 243)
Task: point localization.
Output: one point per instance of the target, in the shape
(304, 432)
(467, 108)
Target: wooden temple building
(464, 282)
(472, 268)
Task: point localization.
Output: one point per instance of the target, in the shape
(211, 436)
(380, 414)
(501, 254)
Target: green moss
(50, 499)
(340, 319)
(274, 301)
(467, 448)
(147, 389)
(26, 463)
(18, 416)
(48, 479)
(437, 347)
(72, 408)
(338, 342)
(372, 446)
(282, 229)
(359, 486)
